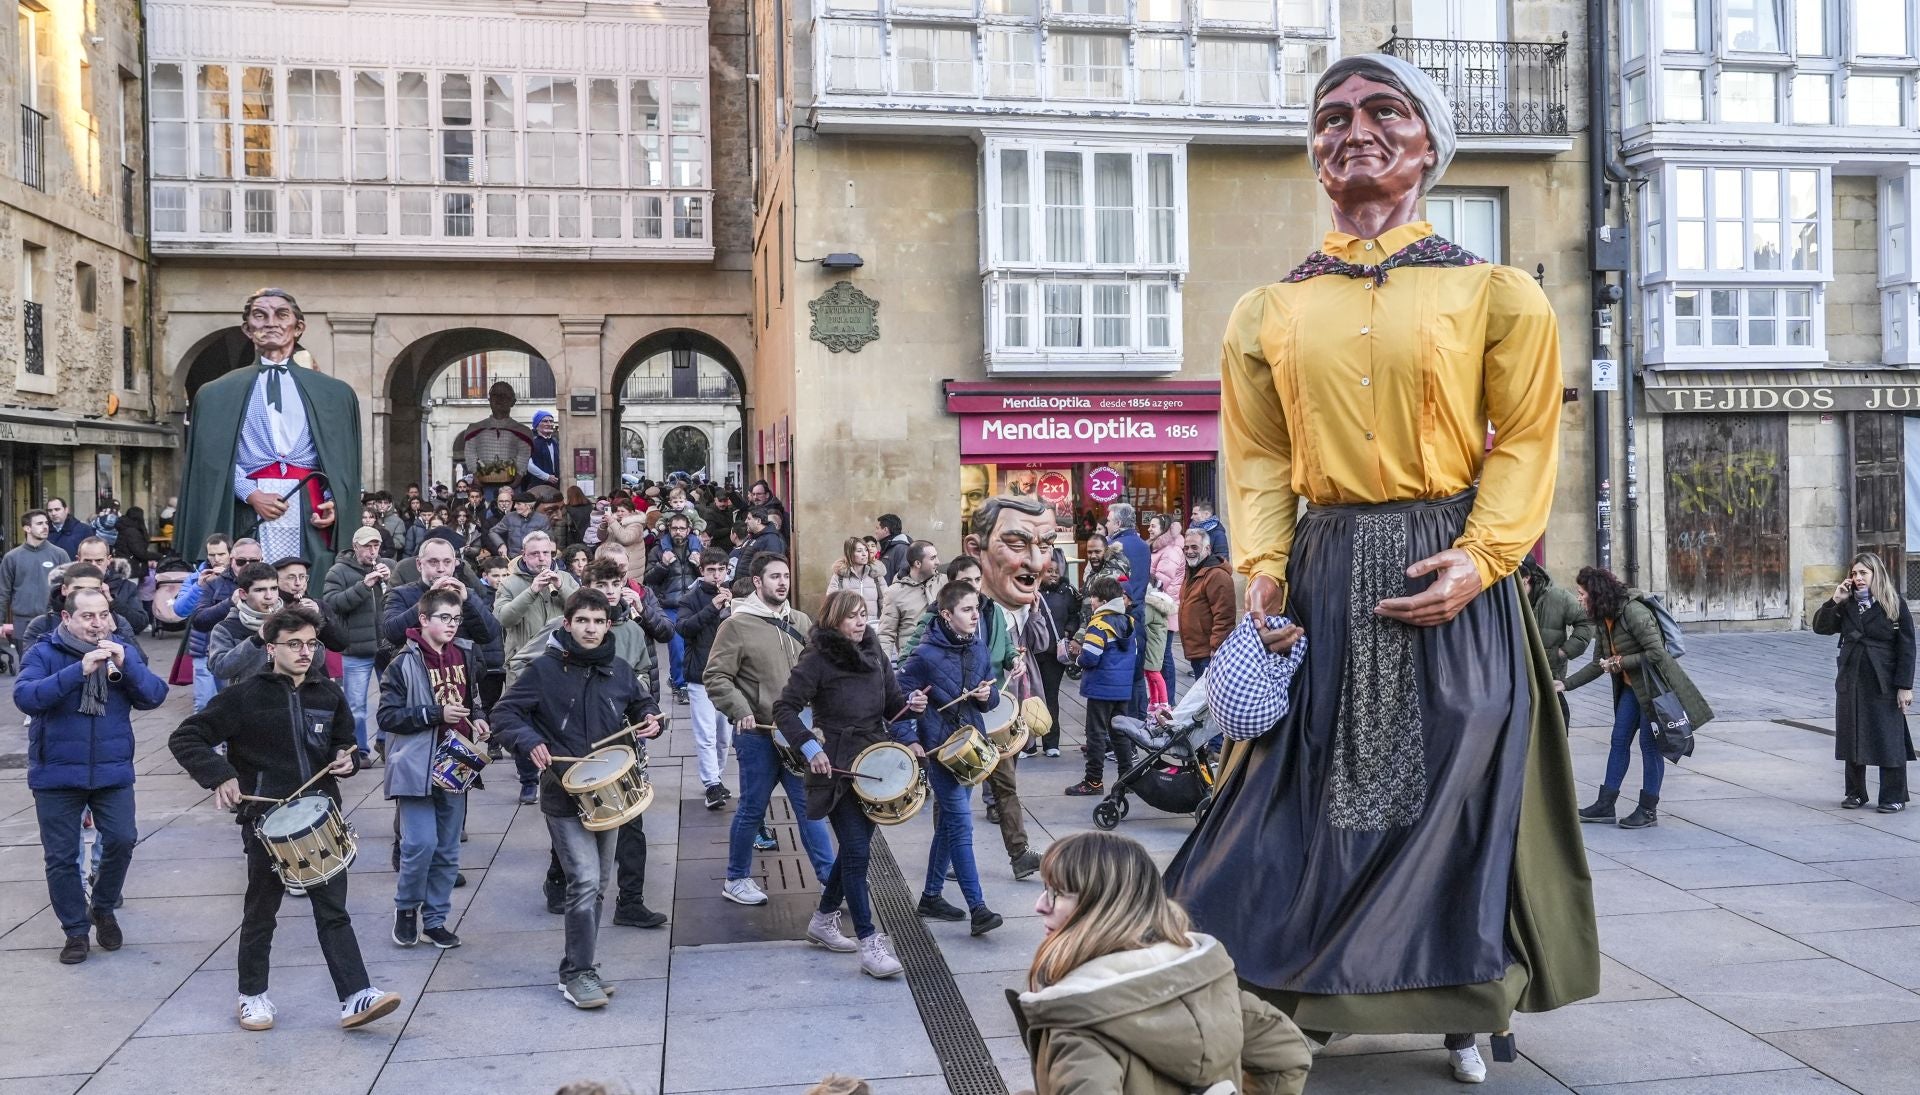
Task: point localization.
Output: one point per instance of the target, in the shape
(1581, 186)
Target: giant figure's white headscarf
(1428, 102)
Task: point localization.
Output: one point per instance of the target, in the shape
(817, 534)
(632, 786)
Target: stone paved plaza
(1759, 940)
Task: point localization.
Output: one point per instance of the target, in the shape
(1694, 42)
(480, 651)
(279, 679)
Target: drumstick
(856, 775)
(620, 733)
(569, 760)
(963, 697)
(257, 798)
(902, 713)
(298, 791)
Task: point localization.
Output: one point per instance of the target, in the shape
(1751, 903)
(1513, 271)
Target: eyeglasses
(299, 646)
(1052, 895)
(445, 618)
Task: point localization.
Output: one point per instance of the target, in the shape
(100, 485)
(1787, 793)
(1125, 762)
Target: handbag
(1672, 726)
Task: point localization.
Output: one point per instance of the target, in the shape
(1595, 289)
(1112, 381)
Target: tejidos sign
(1762, 398)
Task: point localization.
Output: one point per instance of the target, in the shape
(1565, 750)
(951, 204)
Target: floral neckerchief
(1426, 251)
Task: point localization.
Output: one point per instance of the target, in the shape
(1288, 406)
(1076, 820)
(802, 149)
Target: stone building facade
(435, 182)
(79, 420)
(1773, 152)
(895, 131)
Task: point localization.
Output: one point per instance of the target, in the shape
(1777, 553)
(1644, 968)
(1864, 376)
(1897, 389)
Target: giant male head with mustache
(1013, 539)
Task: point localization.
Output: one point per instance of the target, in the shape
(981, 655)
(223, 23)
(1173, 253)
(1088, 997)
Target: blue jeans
(848, 880)
(1626, 721)
(429, 853)
(359, 674)
(203, 686)
(952, 836)
(676, 653)
(59, 814)
(759, 770)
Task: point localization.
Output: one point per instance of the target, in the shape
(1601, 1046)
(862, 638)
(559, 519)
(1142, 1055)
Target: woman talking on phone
(1874, 688)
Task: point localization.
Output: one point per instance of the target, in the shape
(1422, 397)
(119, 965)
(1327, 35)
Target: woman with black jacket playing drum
(848, 681)
(1875, 685)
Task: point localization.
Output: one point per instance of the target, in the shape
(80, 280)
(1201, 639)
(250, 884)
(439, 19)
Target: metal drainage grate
(963, 1054)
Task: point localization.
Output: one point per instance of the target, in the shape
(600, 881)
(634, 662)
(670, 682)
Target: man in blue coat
(79, 688)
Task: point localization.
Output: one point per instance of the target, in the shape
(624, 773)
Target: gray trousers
(587, 857)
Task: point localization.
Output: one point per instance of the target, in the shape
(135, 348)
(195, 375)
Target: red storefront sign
(1086, 422)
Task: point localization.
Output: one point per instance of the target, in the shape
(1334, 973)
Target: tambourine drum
(969, 755)
(610, 787)
(1033, 712)
(307, 839)
(457, 763)
(898, 787)
(1007, 727)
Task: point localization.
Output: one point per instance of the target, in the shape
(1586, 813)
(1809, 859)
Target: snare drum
(898, 787)
(307, 839)
(610, 786)
(969, 755)
(457, 763)
(1006, 726)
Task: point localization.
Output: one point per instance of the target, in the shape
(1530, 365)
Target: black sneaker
(529, 796)
(1088, 787)
(985, 920)
(936, 907)
(716, 796)
(107, 930)
(459, 879)
(406, 926)
(441, 937)
(639, 917)
(75, 952)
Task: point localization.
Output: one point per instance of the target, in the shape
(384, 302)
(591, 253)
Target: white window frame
(1899, 273)
(992, 243)
(1457, 200)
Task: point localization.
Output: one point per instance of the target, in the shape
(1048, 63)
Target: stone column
(656, 451)
(581, 367)
(353, 362)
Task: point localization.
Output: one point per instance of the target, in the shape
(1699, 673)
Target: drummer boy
(282, 727)
(429, 702)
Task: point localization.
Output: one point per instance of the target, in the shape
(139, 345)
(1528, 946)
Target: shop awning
(36, 427)
(1012, 422)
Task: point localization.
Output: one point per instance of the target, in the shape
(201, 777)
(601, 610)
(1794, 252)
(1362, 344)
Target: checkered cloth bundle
(1247, 686)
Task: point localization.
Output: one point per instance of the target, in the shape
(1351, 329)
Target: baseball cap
(366, 534)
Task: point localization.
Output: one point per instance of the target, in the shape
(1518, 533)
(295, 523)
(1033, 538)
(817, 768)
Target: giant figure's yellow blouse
(1341, 392)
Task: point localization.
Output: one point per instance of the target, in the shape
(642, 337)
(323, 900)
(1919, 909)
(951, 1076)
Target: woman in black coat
(1874, 688)
(848, 681)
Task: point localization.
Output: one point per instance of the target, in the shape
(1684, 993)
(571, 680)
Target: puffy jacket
(67, 750)
(1170, 572)
(1216, 535)
(1160, 1020)
(870, 583)
(354, 605)
(567, 704)
(1108, 654)
(670, 581)
(410, 716)
(1564, 627)
(1159, 612)
(698, 623)
(947, 666)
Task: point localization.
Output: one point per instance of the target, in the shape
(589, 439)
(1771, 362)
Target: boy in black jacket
(573, 695)
(702, 608)
(280, 727)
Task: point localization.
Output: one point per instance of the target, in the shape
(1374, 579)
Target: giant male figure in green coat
(257, 432)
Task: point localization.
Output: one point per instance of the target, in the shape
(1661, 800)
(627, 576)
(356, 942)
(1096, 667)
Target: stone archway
(698, 349)
(400, 449)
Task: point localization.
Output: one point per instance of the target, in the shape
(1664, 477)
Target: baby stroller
(1174, 770)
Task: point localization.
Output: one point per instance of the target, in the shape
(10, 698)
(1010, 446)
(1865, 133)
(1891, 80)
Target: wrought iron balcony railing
(129, 191)
(33, 323)
(33, 147)
(1514, 89)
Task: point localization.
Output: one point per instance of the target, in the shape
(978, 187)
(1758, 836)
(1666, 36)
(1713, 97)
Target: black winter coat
(699, 622)
(567, 704)
(477, 623)
(1876, 661)
(276, 736)
(853, 693)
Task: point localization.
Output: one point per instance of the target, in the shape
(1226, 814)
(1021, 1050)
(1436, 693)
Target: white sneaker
(875, 959)
(256, 1012)
(1468, 1068)
(743, 891)
(365, 1006)
(824, 930)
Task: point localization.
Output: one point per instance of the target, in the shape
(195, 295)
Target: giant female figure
(1400, 854)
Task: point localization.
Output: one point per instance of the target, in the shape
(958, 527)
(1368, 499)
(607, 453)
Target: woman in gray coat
(1874, 688)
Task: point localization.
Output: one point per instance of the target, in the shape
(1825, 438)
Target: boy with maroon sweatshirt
(430, 689)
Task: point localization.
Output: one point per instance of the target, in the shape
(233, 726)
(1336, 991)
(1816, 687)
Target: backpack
(1670, 636)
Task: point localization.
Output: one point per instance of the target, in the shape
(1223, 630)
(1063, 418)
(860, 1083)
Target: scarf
(93, 686)
(571, 649)
(249, 617)
(1426, 251)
